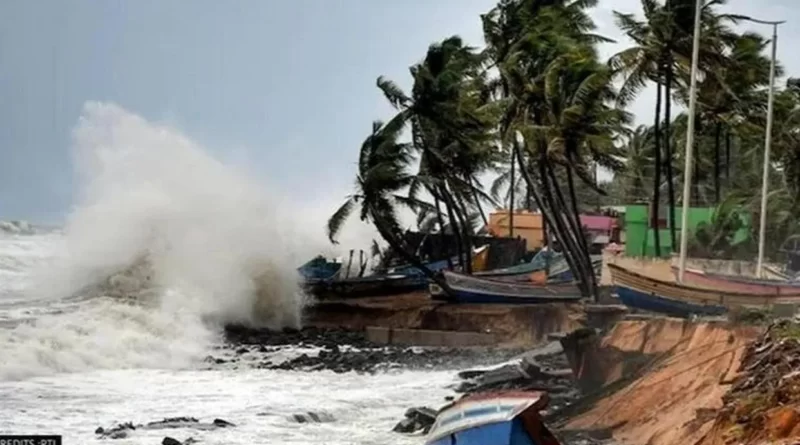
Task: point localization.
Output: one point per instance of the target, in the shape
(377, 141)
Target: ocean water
(109, 318)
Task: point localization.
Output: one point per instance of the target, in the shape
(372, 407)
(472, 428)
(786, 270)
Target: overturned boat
(497, 418)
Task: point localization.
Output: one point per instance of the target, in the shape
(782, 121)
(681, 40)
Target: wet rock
(416, 419)
(172, 441)
(119, 431)
(527, 374)
(222, 423)
(312, 417)
(123, 430)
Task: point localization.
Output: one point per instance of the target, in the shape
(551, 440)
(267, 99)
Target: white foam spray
(213, 244)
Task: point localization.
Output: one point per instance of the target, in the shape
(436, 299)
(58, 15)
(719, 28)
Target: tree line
(539, 108)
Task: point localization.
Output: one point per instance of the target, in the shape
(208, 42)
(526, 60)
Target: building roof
(597, 222)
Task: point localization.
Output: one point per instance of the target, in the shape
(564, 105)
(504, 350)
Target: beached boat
(434, 266)
(369, 286)
(754, 286)
(539, 262)
(319, 268)
(651, 294)
(504, 417)
(559, 272)
(472, 289)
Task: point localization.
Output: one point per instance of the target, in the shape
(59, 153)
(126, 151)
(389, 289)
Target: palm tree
(451, 123)
(528, 39)
(637, 155)
(661, 54)
(383, 173)
(579, 126)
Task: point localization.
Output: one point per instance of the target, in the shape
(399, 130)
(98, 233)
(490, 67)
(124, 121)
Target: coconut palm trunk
(654, 215)
(668, 150)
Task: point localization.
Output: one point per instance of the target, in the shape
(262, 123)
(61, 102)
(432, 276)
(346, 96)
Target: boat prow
(505, 417)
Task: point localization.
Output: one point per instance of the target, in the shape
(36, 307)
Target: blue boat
(647, 293)
(560, 272)
(500, 418)
(476, 290)
(540, 261)
(435, 266)
(319, 268)
(369, 286)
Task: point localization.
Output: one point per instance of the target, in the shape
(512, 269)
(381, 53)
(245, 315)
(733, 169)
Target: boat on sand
(755, 286)
(473, 289)
(648, 293)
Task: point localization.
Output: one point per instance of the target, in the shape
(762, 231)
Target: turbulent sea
(109, 319)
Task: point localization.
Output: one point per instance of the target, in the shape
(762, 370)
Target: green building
(640, 239)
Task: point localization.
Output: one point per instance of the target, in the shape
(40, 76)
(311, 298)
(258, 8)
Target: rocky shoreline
(341, 350)
(478, 369)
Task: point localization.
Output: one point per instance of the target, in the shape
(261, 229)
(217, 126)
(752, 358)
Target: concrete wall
(425, 337)
(527, 226)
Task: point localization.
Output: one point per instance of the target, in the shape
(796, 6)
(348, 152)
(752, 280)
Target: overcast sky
(285, 87)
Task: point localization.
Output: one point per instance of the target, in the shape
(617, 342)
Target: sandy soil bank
(670, 394)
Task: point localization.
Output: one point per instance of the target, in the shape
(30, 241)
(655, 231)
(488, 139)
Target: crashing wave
(133, 284)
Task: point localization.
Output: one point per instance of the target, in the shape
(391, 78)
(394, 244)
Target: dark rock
(417, 419)
(312, 417)
(119, 431)
(241, 351)
(170, 441)
(222, 423)
(406, 426)
(122, 430)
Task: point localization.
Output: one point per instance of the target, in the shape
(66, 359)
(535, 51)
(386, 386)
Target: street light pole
(687, 167)
(767, 146)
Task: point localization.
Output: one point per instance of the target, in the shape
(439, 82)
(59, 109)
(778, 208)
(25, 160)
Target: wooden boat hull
(651, 302)
(752, 286)
(648, 293)
(380, 286)
(502, 417)
(538, 263)
(319, 269)
(475, 290)
(413, 270)
(560, 273)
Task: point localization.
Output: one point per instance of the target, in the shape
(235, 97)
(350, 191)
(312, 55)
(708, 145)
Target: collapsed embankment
(511, 325)
(660, 381)
(763, 404)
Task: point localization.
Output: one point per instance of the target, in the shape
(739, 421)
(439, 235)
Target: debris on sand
(763, 404)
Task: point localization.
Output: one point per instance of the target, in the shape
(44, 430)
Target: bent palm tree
(383, 172)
